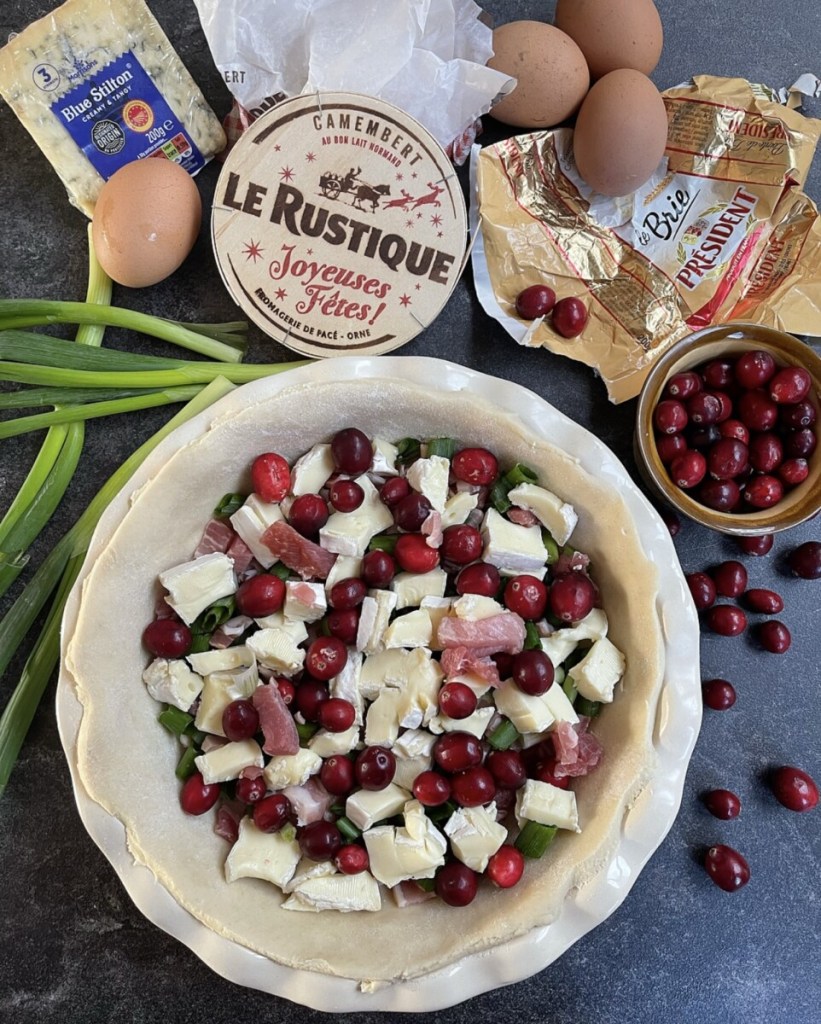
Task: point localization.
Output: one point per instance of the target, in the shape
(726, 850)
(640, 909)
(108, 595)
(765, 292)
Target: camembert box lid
(339, 225)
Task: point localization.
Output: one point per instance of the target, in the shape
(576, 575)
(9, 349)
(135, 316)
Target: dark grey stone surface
(74, 949)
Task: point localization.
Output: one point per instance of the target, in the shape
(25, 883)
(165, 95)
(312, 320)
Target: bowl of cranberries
(727, 429)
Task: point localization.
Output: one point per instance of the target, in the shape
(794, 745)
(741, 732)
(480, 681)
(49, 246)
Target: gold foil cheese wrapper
(722, 232)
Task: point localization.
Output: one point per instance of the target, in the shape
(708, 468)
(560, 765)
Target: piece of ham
(310, 801)
(502, 633)
(578, 751)
(576, 561)
(431, 529)
(216, 537)
(311, 561)
(276, 721)
(408, 894)
(227, 821)
(251, 771)
(229, 631)
(241, 555)
(212, 742)
(522, 516)
(456, 661)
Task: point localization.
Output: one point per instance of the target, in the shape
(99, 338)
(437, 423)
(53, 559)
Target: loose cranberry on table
(196, 796)
(527, 596)
(345, 495)
(457, 700)
(702, 589)
(167, 638)
(270, 476)
(260, 595)
(718, 694)
(774, 637)
(794, 788)
(535, 301)
(759, 546)
(727, 867)
(805, 560)
(569, 317)
(456, 884)
(351, 451)
(308, 514)
(726, 620)
(475, 466)
(722, 803)
(505, 867)
(414, 554)
(766, 602)
(730, 578)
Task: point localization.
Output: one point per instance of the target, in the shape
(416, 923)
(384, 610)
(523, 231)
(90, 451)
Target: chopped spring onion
(442, 812)
(305, 731)
(521, 474)
(498, 496)
(426, 884)
(36, 398)
(442, 446)
(174, 720)
(532, 639)
(569, 687)
(228, 505)
(214, 616)
(588, 708)
(504, 735)
(551, 547)
(288, 832)
(387, 542)
(60, 569)
(408, 450)
(348, 829)
(185, 766)
(280, 569)
(534, 839)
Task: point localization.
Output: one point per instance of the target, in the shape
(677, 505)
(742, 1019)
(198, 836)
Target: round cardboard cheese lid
(339, 225)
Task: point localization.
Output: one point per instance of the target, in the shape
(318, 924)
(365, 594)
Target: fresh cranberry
(533, 672)
(670, 416)
(308, 514)
(726, 410)
(703, 408)
(504, 664)
(343, 623)
(535, 301)
(272, 812)
(375, 767)
(326, 657)
(774, 637)
(545, 771)
(351, 451)
(727, 458)
(794, 788)
(735, 430)
(805, 560)
(287, 690)
(754, 368)
(766, 452)
(351, 859)
(569, 317)
(505, 867)
(475, 466)
(718, 373)
(722, 803)
(456, 884)
(766, 602)
(394, 490)
(507, 767)
(348, 593)
(479, 578)
(378, 568)
(721, 495)
(572, 596)
(687, 470)
(310, 693)
(321, 840)
(790, 385)
(793, 472)
(431, 789)
(727, 868)
(260, 595)
(703, 437)
(726, 620)
(456, 751)
(196, 796)
(473, 787)
(800, 444)
(730, 578)
(250, 791)
(240, 720)
(336, 714)
(671, 520)
(461, 544)
(756, 411)
(337, 775)
(718, 694)
(270, 477)
(760, 545)
(682, 385)
(669, 446)
(414, 554)
(457, 700)
(798, 416)
(411, 511)
(527, 596)
(763, 491)
(346, 495)
(702, 588)
(167, 638)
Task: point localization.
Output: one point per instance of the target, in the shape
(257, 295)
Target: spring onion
(443, 446)
(504, 735)
(185, 765)
(349, 831)
(533, 642)
(588, 708)
(228, 505)
(534, 839)
(174, 720)
(305, 731)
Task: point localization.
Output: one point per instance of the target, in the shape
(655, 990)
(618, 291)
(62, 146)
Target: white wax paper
(426, 56)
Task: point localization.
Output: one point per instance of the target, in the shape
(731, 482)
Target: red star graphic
(253, 251)
(280, 293)
(417, 286)
(286, 173)
(277, 148)
(399, 175)
(404, 300)
(309, 252)
(409, 224)
(440, 234)
(414, 174)
(436, 220)
(310, 157)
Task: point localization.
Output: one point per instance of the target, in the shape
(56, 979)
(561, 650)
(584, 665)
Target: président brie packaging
(721, 232)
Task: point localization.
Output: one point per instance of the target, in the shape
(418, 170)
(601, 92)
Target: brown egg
(146, 220)
(621, 132)
(550, 72)
(613, 34)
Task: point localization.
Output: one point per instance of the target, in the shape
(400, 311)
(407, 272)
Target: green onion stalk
(60, 570)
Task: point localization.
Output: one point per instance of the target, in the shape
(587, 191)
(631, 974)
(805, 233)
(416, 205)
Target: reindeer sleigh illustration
(364, 195)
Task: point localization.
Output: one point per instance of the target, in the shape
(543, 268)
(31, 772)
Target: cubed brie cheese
(414, 629)
(560, 706)
(346, 684)
(367, 806)
(276, 649)
(295, 628)
(414, 850)
(384, 457)
(513, 549)
(555, 515)
(308, 868)
(251, 520)
(475, 607)
(563, 642)
(312, 470)
(221, 660)
(382, 719)
(173, 682)
(411, 588)
(219, 689)
(226, 762)
(344, 568)
(374, 616)
(266, 855)
(430, 477)
(475, 835)
(458, 507)
(385, 668)
(304, 601)
(599, 670)
(327, 744)
(437, 608)
(476, 724)
(528, 713)
(195, 585)
(291, 769)
(349, 533)
(547, 804)
(344, 893)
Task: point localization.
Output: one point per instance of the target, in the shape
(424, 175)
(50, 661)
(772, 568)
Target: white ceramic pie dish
(674, 724)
